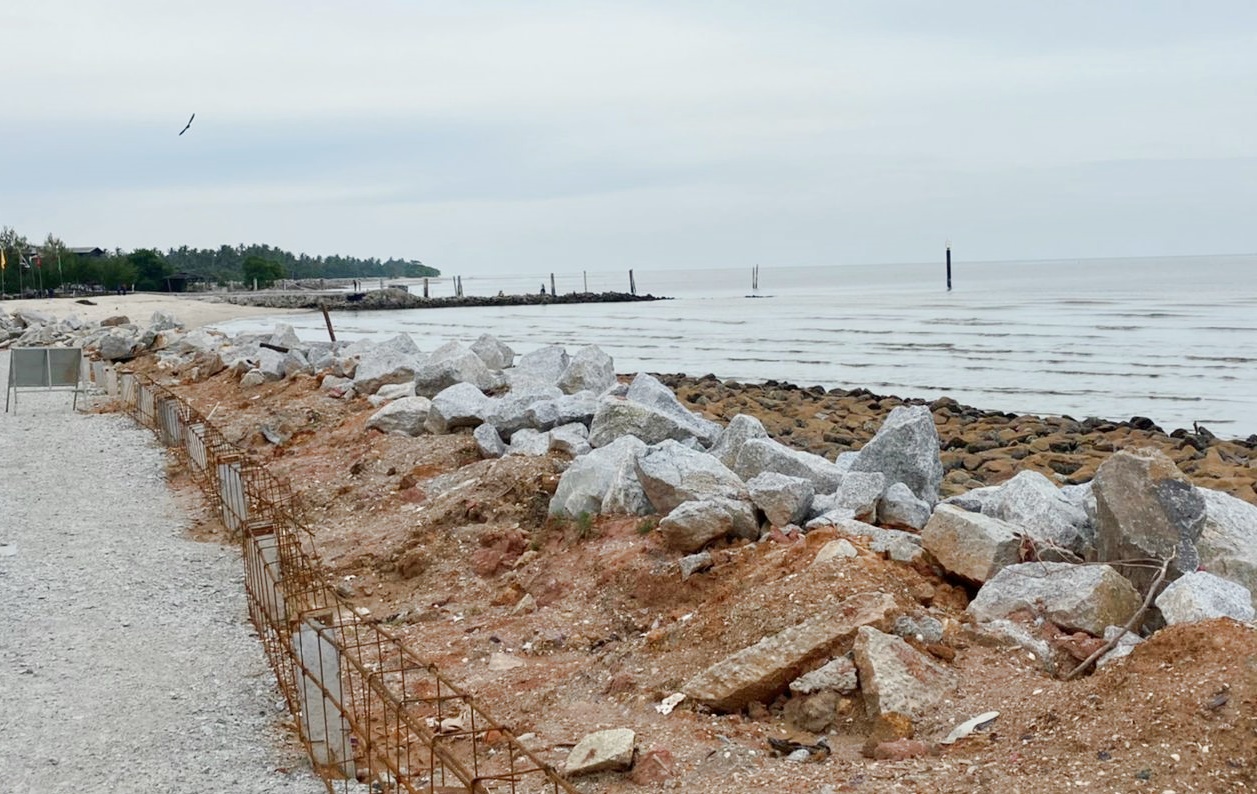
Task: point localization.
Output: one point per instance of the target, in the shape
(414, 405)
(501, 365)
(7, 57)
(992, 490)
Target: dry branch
(1135, 619)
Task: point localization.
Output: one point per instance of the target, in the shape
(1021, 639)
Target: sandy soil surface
(193, 311)
(566, 627)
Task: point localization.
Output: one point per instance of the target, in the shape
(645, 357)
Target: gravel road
(127, 663)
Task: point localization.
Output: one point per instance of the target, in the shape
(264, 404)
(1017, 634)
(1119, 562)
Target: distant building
(178, 282)
(90, 252)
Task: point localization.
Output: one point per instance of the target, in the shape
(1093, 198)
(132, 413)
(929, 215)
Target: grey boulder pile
(634, 448)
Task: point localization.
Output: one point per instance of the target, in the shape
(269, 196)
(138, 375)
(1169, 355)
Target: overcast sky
(486, 137)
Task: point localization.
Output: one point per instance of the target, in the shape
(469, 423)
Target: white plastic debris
(669, 703)
(969, 726)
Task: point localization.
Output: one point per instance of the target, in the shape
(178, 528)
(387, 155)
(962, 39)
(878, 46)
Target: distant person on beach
(543, 289)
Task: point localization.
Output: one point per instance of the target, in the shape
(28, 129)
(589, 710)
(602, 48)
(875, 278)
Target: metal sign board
(50, 368)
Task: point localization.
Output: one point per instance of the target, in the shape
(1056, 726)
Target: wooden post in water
(553, 291)
(949, 265)
(585, 275)
(425, 288)
(632, 284)
(327, 318)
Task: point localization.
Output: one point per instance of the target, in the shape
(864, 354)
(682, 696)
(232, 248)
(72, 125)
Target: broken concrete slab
(765, 669)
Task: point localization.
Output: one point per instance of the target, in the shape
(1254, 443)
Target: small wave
(1222, 359)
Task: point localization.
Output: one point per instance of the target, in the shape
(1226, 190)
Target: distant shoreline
(193, 310)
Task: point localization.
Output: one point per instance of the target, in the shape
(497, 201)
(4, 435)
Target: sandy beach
(192, 311)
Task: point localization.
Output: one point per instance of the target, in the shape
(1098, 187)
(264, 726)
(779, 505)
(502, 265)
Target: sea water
(1172, 339)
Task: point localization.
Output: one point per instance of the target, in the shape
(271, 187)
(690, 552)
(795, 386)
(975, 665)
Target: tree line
(51, 265)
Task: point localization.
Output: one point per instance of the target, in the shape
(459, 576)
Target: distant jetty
(397, 298)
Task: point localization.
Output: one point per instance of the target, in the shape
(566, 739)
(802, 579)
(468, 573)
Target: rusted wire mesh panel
(373, 715)
(128, 385)
(147, 413)
(169, 421)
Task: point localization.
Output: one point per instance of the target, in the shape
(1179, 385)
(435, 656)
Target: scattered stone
(395, 360)
(896, 677)
(335, 386)
(813, 713)
(501, 662)
(1075, 597)
(671, 473)
(888, 727)
(541, 367)
(616, 417)
(648, 391)
(453, 364)
(1008, 633)
(563, 409)
(926, 629)
(529, 442)
(570, 439)
(460, 405)
(1202, 596)
(970, 545)
(1228, 541)
(741, 428)
(395, 391)
(589, 370)
(494, 353)
(835, 550)
(973, 500)
(901, 509)
(596, 476)
(1033, 504)
(784, 499)
(900, 750)
(759, 455)
(859, 492)
(284, 334)
(119, 344)
(694, 563)
(513, 412)
(602, 751)
(1146, 509)
(896, 544)
(906, 450)
(653, 768)
(764, 670)
(692, 525)
(838, 675)
(406, 415)
(526, 605)
(1123, 647)
(488, 441)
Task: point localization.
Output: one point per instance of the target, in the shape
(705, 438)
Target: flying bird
(186, 126)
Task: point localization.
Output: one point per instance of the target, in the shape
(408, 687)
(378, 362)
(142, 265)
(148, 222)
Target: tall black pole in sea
(949, 266)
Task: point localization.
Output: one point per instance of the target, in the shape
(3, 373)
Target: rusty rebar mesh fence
(372, 714)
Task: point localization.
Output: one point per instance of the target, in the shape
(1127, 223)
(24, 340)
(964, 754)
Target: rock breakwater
(397, 298)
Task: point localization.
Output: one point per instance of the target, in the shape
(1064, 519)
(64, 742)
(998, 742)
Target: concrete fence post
(321, 698)
(231, 491)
